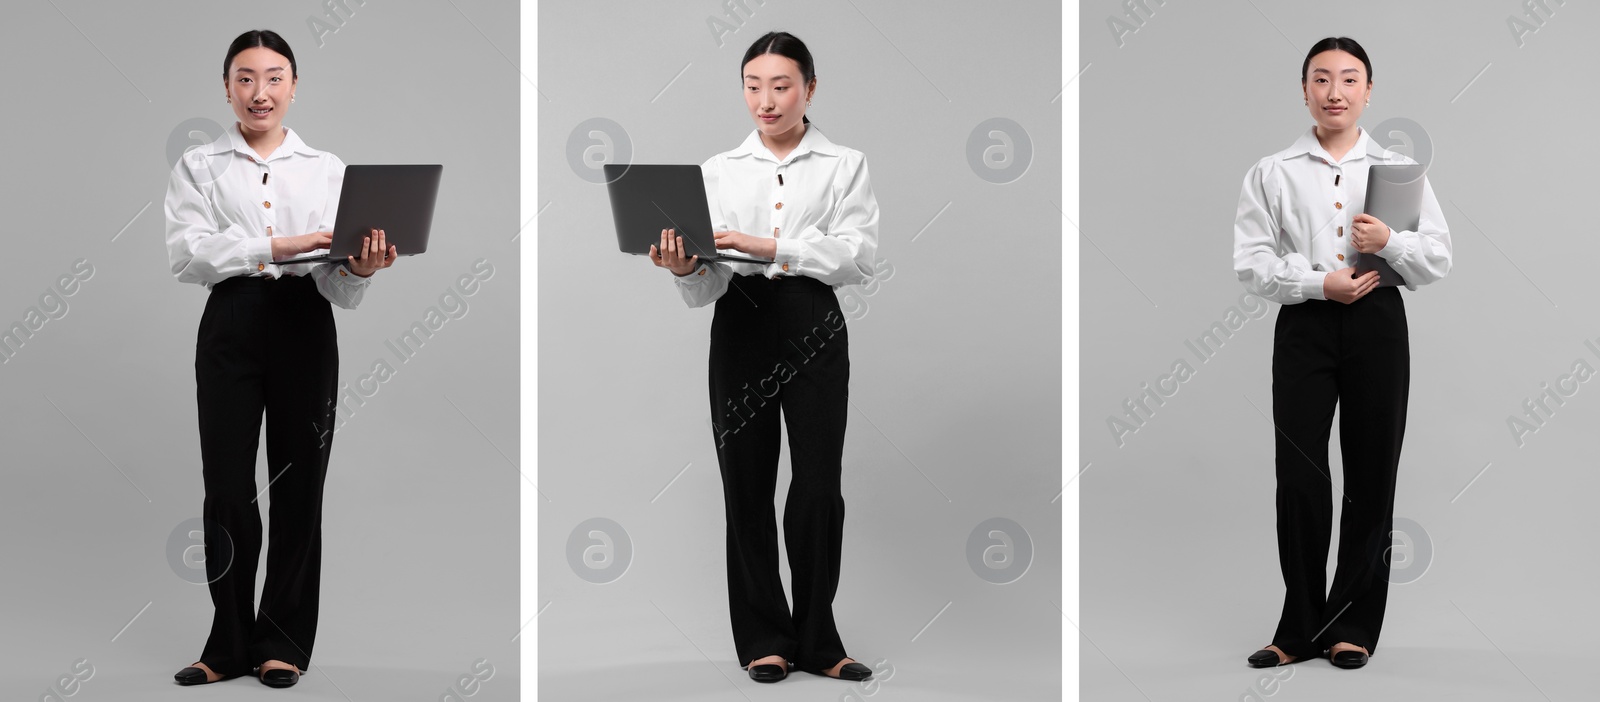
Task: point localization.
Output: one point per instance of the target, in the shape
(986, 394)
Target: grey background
(955, 388)
(98, 419)
(1180, 572)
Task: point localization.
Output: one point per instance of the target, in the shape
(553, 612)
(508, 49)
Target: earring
(1369, 103)
(230, 101)
(291, 99)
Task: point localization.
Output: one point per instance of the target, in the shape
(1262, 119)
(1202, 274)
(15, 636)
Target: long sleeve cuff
(695, 277)
(346, 277)
(257, 251)
(1311, 286)
(1398, 243)
(793, 256)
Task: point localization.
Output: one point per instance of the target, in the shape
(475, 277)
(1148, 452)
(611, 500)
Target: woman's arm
(198, 250)
(845, 253)
(1284, 279)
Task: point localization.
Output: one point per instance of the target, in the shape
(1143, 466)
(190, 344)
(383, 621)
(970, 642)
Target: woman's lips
(770, 118)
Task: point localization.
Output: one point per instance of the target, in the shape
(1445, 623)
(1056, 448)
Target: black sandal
(194, 675)
(769, 672)
(853, 670)
(1267, 658)
(279, 677)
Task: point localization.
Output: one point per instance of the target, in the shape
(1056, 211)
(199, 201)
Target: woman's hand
(375, 255)
(1341, 286)
(760, 247)
(287, 246)
(1368, 233)
(670, 254)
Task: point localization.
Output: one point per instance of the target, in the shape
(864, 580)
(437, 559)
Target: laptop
(1394, 196)
(398, 199)
(647, 198)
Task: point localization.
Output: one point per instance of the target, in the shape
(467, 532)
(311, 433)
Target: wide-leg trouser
(270, 346)
(1358, 357)
(781, 344)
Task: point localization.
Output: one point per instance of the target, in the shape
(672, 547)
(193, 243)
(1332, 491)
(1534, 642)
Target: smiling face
(260, 83)
(1336, 87)
(772, 88)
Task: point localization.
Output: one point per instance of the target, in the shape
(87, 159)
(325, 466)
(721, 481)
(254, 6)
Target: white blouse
(225, 203)
(1293, 223)
(817, 202)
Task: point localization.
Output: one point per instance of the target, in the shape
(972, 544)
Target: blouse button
(702, 272)
(1338, 205)
(785, 268)
(267, 204)
(341, 272)
(779, 206)
(1341, 257)
(261, 266)
(1341, 231)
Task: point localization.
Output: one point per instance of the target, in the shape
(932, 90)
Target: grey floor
(1442, 640)
(676, 650)
(1460, 674)
(153, 683)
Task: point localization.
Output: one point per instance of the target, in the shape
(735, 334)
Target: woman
(778, 339)
(1340, 339)
(266, 343)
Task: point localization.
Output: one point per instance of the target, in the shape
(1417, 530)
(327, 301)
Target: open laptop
(647, 198)
(1394, 196)
(398, 199)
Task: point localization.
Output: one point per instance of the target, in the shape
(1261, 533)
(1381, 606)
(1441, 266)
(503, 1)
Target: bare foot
(276, 664)
(770, 660)
(211, 675)
(1283, 658)
(834, 671)
(1342, 646)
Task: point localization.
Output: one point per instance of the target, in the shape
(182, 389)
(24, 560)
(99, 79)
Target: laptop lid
(647, 198)
(399, 199)
(1394, 196)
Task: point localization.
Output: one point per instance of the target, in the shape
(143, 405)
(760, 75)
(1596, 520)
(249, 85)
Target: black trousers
(781, 344)
(264, 345)
(1357, 356)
